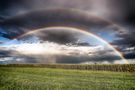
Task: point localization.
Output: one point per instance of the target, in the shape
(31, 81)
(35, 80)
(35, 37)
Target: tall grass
(34, 78)
(102, 67)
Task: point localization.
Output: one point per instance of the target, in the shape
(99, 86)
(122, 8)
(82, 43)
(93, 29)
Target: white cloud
(54, 48)
(50, 52)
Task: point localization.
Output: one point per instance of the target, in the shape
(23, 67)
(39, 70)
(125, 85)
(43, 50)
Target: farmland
(66, 77)
(95, 67)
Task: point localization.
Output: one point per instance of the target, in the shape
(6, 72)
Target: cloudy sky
(110, 20)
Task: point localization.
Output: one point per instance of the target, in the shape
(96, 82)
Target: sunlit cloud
(50, 52)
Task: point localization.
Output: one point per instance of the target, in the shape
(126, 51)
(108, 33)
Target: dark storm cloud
(12, 56)
(58, 36)
(129, 11)
(127, 20)
(61, 37)
(119, 10)
(19, 59)
(83, 59)
(5, 53)
(124, 41)
(64, 17)
(51, 17)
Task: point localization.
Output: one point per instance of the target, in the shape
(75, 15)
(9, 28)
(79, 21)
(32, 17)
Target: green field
(35, 78)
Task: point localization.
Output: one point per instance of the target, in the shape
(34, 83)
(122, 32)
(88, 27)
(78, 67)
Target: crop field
(66, 77)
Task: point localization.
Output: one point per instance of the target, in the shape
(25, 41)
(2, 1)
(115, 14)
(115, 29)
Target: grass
(95, 67)
(34, 78)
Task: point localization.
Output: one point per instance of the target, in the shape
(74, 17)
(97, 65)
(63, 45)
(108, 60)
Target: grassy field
(95, 67)
(35, 78)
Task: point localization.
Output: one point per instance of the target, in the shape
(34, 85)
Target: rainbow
(82, 31)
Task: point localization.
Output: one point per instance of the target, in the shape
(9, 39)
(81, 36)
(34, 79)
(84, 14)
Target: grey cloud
(100, 56)
(57, 36)
(51, 17)
(104, 8)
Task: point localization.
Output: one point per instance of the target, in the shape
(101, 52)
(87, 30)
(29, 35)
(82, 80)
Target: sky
(111, 20)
